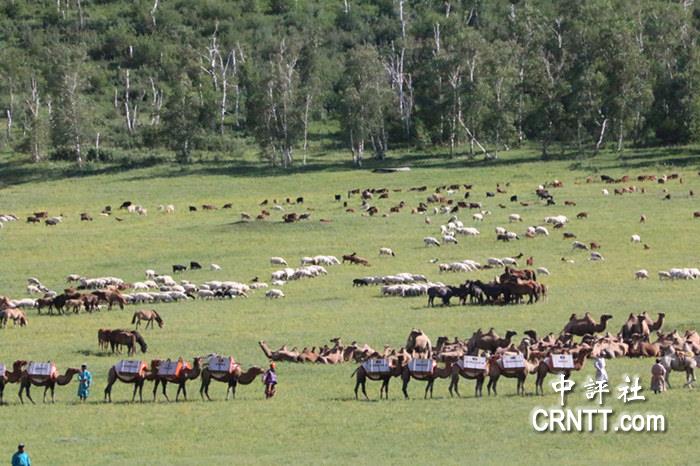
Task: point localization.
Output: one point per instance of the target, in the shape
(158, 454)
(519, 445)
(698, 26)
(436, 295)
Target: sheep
(150, 274)
(74, 277)
(495, 261)
(258, 285)
(541, 231)
(33, 289)
(205, 294)
(386, 252)
(514, 218)
(579, 245)
(605, 192)
(664, 274)
(635, 239)
(469, 231)
(139, 286)
(430, 241)
(557, 219)
(141, 211)
(478, 217)
(641, 274)
(215, 267)
(33, 281)
(446, 239)
(278, 261)
(278, 282)
(510, 235)
(542, 270)
(274, 293)
(500, 231)
(167, 209)
(596, 256)
(509, 261)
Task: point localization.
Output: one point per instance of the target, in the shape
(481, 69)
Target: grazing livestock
(179, 268)
(215, 267)
(514, 218)
(85, 217)
(168, 209)
(195, 265)
(447, 239)
(277, 261)
(596, 256)
(579, 245)
(641, 274)
(635, 239)
(274, 294)
(543, 270)
(430, 241)
(386, 252)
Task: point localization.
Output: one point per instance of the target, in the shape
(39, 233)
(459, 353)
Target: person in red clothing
(270, 381)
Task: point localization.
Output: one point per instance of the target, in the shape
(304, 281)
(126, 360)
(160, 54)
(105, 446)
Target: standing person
(601, 375)
(658, 377)
(270, 381)
(84, 383)
(21, 458)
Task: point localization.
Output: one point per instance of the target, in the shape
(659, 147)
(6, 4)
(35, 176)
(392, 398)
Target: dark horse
(127, 338)
(443, 292)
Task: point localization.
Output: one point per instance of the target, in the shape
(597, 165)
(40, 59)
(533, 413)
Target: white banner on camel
(473, 362)
(513, 361)
(562, 361)
(129, 367)
(376, 366)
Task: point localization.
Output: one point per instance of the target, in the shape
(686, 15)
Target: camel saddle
(129, 369)
(42, 370)
(560, 361)
(421, 366)
(512, 361)
(221, 364)
(172, 368)
(376, 366)
(473, 362)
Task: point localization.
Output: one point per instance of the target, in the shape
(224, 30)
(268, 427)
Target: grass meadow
(314, 418)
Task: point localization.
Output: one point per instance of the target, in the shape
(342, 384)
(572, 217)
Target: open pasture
(314, 417)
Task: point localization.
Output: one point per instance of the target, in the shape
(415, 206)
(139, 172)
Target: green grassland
(314, 418)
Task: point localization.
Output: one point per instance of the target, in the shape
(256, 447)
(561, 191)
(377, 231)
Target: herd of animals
(678, 351)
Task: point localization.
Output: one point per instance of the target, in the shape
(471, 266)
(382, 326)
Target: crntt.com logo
(592, 420)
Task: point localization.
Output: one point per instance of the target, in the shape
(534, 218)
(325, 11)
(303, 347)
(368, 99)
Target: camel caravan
(39, 374)
(486, 355)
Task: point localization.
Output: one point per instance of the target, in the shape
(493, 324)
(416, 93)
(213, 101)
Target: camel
(12, 376)
(436, 373)
(654, 326)
(496, 370)
(16, 315)
(639, 346)
(149, 315)
(489, 341)
(545, 367)
(418, 344)
(641, 324)
(396, 366)
(282, 354)
(675, 360)
(232, 378)
(469, 374)
(138, 379)
(585, 325)
(48, 382)
(308, 355)
(187, 372)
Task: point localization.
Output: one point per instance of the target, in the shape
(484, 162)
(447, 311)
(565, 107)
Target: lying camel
(585, 325)
(489, 341)
(282, 354)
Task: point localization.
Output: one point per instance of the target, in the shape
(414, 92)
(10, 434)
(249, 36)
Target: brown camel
(429, 377)
(458, 370)
(361, 374)
(581, 327)
(546, 367)
(282, 354)
(232, 377)
(48, 381)
(418, 344)
(496, 370)
(308, 355)
(489, 341)
(182, 373)
(12, 376)
(641, 324)
(137, 374)
(639, 346)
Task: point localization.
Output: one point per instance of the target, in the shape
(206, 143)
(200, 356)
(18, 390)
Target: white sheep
(430, 241)
(386, 252)
(543, 270)
(205, 294)
(514, 218)
(150, 274)
(541, 231)
(495, 261)
(278, 282)
(167, 209)
(509, 261)
(605, 192)
(446, 239)
(469, 231)
(641, 274)
(500, 231)
(579, 245)
(274, 293)
(33, 289)
(479, 217)
(215, 267)
(511, 235)
(596, 256)
(278, 261)
(141, 211)
(664, 274)
(635, 239)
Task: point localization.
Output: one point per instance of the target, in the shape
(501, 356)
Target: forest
(81, 80)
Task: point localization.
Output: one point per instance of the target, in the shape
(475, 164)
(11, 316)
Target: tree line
(78, 77)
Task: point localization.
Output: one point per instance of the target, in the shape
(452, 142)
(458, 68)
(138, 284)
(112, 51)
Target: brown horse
(126, 338)
(149, 315)
(110, 297)
(355, 259)
(15, 314)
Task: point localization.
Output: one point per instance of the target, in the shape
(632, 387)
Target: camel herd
(134, 372)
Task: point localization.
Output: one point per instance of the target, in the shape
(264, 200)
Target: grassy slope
(314, 418)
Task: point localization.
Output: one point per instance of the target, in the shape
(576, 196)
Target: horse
(355, 259)
(126, 338)
(15, 314)
(148, 315)
(110, 297)
(443, 292)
